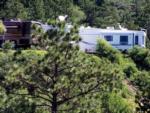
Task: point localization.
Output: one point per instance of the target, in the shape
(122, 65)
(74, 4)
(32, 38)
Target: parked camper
(121, 39)
(18, 32)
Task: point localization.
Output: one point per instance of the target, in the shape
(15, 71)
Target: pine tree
(13, 9)
(36, 10)
(62, 79)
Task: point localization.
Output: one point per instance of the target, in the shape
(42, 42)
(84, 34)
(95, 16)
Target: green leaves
(141, 56)
(14, 9)
(117, 104)
(104, 49)
(2, 28)
(8, 45)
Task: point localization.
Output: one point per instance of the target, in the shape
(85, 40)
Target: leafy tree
(76, 15)
(36, 9)
(105, 16)
(144, 16)
(54, 8)
(13, 9)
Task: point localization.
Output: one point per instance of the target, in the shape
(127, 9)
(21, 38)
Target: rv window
(109, 38)
(136, 40)
(124, 40)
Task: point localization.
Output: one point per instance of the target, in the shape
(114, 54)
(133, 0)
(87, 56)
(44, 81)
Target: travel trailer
(17, 31)
(121, 39)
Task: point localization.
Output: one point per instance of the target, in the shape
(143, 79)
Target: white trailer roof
(86, 31)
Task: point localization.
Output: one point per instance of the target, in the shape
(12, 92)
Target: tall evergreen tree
(63, 77)
(36, 10)
(13, 9)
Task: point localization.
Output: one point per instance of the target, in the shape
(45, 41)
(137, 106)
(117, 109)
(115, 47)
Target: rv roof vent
(110, 28)
(88, 27)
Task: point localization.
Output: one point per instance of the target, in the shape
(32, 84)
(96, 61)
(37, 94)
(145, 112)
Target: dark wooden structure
(17, 31)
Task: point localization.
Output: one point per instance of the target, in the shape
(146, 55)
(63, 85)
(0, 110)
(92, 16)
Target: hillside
(54, 76)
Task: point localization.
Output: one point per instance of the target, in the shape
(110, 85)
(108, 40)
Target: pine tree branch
(80, 94)
(32, 96)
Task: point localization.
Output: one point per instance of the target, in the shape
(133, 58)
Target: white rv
(121, 39)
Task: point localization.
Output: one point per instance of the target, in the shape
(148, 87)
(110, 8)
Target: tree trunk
(54, 107)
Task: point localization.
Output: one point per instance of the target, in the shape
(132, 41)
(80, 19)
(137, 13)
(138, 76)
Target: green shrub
(104, 49)
(118, 104)
(8, 45)
(2, 27)
(142, 80)
(130, 69)
(141, 57)
(125, 92)
(33, 54)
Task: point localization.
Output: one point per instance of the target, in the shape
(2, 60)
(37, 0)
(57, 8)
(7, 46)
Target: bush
(130, 70)
(141, 57)
(142, 80)
(33, 54)
(2, 27)
(115, 103)
(8, 45)
(104, 49)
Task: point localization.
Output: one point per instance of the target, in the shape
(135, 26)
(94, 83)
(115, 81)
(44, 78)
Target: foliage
(142, 80)
(36, 9)
(8, 45)
(2, 28)
(13, 9)
(25, 71)
(104, 49)
(141, 56)
(130, 69)
(77, 16)
(142, 77)
(117, 104)
(20, 105)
